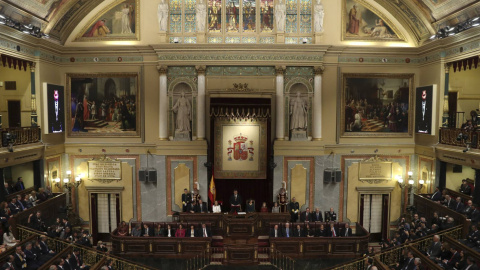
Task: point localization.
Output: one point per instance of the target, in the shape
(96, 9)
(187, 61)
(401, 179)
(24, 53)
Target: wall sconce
(68, 185)
(400, 182)
(410, 179)
(78, 180)
(421, 182)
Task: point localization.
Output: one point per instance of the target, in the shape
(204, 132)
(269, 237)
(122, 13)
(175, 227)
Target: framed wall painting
(362, 21)
(425, 109)
(376, 105)
(240, 150)
(118, 21)
(103, 105)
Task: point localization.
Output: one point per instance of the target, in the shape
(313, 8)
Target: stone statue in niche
(183, 113)
(162, 14)
(280, 15)
(298, 118)
(319, 13)
(201, 15)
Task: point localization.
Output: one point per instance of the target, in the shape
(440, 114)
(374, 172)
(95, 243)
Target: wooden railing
(455, 194)
(21, 192)
(90, 256)
(50, 210)
(23, 135)
(426, 208)
(449, 136)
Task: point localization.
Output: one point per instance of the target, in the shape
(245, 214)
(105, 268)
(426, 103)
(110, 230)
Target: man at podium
(235, 202)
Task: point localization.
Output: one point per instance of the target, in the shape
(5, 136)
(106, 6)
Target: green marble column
(33, 116)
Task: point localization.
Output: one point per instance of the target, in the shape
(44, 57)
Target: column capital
(280, 70)
(318, 70)
(162, 69)
(32, 66)
(447, 67)
(201, 70)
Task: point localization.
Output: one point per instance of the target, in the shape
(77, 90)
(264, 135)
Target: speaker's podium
(241, 224)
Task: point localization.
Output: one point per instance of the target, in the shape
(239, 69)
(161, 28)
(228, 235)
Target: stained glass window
(305, 16)
(190, 18)
(292, 10)
(266, 19)
(249, 15)
(175, 16)
(214, 16)
(232, 15)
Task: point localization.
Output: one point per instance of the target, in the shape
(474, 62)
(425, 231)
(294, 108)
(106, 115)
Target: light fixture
(421, 182)
(410, 173)
(57, 182)
(304, 40)
(66, 180)
(411, 182)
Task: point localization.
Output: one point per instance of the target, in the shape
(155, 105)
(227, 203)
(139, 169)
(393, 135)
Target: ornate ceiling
(58, 18)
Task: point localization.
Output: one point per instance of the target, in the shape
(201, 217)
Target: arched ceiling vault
(420, 18)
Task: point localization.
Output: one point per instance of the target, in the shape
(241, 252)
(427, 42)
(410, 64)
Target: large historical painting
(377, 104)
(119, 21)
(240, 149)
(363, 22)
(104, 104)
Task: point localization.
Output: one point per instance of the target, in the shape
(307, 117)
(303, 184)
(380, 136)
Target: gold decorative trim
(400, 36)
(100, 14)
(162, 70)
(240, 87)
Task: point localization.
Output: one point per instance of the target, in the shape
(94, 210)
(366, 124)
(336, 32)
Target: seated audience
(14, 209)
(191, 232)
(437, 195)
(204, 231)
(250, 206)
(330, 216)
(35, 222)
(158, 231)
(169, 232)
(332, 232)
(33, 198)
(275, 232)
(202, 207)
(101, 246)
(465, 188)
(317, 216)
(147, 231)
(8, 238)
(471, 264)
(322, 232)
(347, 231)
(76, 261)
(298, 232)
(137, 231)
(309, 232)
(306, 216)
(123, 229)
(287, 231)
(459, 206)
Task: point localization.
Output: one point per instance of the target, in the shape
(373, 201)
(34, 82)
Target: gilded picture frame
(379, 105)
(372, 25)
(240, 150)
(110, 95)
(113, 17)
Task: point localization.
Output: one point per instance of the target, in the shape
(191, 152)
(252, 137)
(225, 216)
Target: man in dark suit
(186, 199)
(191, 232)
(20, 262)
(9, 263)
(169, 231)
(471, 264)
(459, 206)
(474, 216)
(298, 232)
(44, 246)
(235, 202)
(468, 209)
(465, 188)
(332, 231)
(317, 216)
(435, 248)
(449, 202)
(408, 263)
(202, 207)
(287, 231)
(76, 262)
(14, 209)
(193, 207)
(294, 208)
(275, 232)
(147, 231)
(369, 263)
(204, 231)
(437, 195)
(31, 257)
(8, 189)
(330, 216)
(472, 237)
(347, 231)
(306, 216)
(19, 186)
(450, 263)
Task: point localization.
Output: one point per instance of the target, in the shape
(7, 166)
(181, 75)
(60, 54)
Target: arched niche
(303, 88)
(189, 89)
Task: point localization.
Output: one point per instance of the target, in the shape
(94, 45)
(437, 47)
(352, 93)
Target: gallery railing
(450, 136)
(21, 135)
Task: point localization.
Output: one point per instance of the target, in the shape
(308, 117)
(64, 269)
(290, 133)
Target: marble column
(201, 102)
(279, 108)
(33, 115)
(446, 122)
(317, 104)
(163, 104)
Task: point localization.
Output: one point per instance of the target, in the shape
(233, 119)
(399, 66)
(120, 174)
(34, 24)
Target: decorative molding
(246, 57)
(318, 70)
(240, 87)
(162, 70)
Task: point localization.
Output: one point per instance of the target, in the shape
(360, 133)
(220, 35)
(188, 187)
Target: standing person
(94, 111)
(294, 208)
(186, 199)
(306, 216)
(275, 208)
(19, 186)
(282, 200)
(235, 202)
(465, 188)
(330, 216)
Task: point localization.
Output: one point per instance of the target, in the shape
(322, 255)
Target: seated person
(309, 232)
(14, 209)
(123, 229)
(298, 232)
(137, 231)
(322, 232)
(101, 246)
(192, 208)
(76, 261)
(235, 202)
(250, 206)
(287, 231)
(180, 231)
(264, 208)
(276, 208)
(170, 232)
(347, 231)
(465, 188)
(275, 232)
(216, 207)
(202, 207)
(332, 232)
(159, 231)
(147, 231)
(191, 232)
(204, 231)
(8, 238)
(330, 215)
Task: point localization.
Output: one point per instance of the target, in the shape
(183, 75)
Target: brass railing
(23, 135)
(281, 261)
(89, 256)
(199, 261)
(449, 136)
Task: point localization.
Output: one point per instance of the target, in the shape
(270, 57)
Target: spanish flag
(212, 194)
